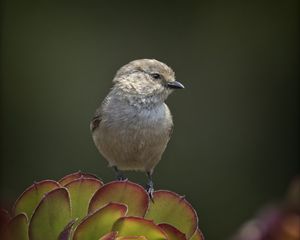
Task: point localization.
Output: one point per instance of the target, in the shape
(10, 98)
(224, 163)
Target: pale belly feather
(134, 141)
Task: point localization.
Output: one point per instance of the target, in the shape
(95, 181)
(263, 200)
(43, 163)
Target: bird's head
(146, 78)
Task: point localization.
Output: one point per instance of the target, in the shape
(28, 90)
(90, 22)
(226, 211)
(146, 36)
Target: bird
(133, 125)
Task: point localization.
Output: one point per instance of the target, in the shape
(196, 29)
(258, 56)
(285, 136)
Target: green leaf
(67, 232)
(100, 222)
(126, 192)
(81, 191)
(17, 228)
(136, 226)
(73, 176)
(172, 232)
(51, 215)
(132, 238)
(109, 236)
(113, 236)
(30, 198)
(197, 235)
(169, 207)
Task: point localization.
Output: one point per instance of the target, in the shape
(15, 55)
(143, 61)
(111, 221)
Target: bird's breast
(133, 139)
(126, 118)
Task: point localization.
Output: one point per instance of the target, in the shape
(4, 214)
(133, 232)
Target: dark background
(235, 143)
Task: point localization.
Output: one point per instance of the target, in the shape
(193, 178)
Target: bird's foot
(119, 174)
(150, 186)
(150, 190)
(121, 177)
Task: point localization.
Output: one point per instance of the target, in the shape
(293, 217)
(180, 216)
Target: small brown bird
(133, 125)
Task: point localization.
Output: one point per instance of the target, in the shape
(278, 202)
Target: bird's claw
(150, 191)
(119, 174)
(121, 177)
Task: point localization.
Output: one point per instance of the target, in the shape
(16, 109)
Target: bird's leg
(119, 174)
(149, 186)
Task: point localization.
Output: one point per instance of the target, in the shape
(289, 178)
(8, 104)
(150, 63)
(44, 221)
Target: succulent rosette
(80, 206)
(280, 221)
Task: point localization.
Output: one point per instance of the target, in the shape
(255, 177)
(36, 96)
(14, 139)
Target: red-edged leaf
(197, 235)
(4, 219)
(126, 192)
(136, 226)
(109, 236)
(30, 198)
(100, 222)
(51, 215)
(172, 232)
(71, 177)
(81, 191)
(66, 233)
(17, 228)
(169, 207)
(133, 238)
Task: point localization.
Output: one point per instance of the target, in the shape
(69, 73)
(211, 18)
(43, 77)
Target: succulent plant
(80, 206)
(279, 221)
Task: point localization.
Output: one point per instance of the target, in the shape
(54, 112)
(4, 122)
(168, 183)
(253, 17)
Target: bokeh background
(235, 143)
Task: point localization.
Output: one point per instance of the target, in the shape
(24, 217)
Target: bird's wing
(98, 114)
(95, 123)
(96, 120)
(171, 130)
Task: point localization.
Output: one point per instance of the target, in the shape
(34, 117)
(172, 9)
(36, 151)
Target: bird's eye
(156, 75)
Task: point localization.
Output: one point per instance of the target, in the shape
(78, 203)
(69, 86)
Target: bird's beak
(175, 85)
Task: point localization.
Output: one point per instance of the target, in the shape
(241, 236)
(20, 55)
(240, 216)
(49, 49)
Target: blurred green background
(235, 142)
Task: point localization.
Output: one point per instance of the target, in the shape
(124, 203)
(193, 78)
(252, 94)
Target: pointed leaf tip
(172, 232)
(100, 222)
(126, 192)
(81, 191)
(169, 207)
(30, 198)
(137, 226)
(73, 176)
(65, 234)
(109, 236)
(133, 238)
(51, 216)
(17, 228)
(4, 219)
(197, 235)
